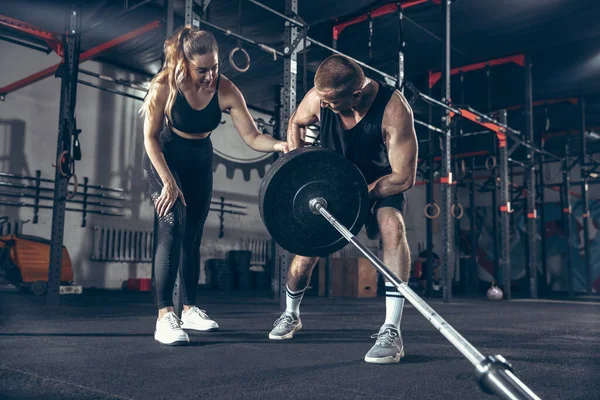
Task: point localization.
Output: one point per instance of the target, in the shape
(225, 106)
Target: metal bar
(38, 174)
(228, 211)
(272, 11)
(45, 189)
(532, 223)
(484, 120)
(507, 387)
(113, 91)
(567, 209)
(115, 16)
(428, 126)
(23, 204)
(29, 29)
(472, 283)
(68, 97)
(7, 175)
(263, 47)
(401, 46)
(32, 196)
(542, 285)
(572, 100)
(470, 352)
(433, 35)
(87, 55)
(519, 163)
(430, 200)
(377, 12)
(505, 209)
(518, 59)
(46, 50)
(228, 204)
(495, 209)
(586, 206)
(113, 80)
(446, 209)
(462, 135)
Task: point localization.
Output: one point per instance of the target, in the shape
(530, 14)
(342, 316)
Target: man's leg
(297, 282)
(389, 348)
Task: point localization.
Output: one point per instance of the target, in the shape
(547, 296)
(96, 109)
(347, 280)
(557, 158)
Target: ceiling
(562, 37)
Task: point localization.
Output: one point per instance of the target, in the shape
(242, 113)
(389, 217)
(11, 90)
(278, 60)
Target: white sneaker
(168, 330)
(196, 319)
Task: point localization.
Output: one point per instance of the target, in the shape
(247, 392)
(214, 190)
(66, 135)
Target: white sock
(394, 303)
(293, 300)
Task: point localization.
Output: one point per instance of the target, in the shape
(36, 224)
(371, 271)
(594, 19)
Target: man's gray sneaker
(285, 326)
(388, 348)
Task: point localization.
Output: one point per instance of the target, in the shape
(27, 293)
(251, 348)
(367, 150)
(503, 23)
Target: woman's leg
(170, 233)
(197, 185)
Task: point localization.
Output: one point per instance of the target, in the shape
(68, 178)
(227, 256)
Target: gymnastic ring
(232, 62)
(460, 212)
(71, 194)
(436, 211)
(60, 163)
(463, 167)
(490, 163)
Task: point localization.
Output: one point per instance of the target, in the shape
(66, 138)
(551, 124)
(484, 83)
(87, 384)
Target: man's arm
(401, 141)
(307, 113)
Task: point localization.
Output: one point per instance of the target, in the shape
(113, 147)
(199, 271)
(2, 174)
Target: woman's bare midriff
(192, 136)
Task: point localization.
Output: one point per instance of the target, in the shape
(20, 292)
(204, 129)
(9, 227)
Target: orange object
(139, 284)
(32, 256)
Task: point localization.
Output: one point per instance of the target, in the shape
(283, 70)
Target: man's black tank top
(364, 143)
(188, 120)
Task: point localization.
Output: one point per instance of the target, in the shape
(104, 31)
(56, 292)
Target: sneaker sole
(287, 335)
(176, 343)
(193, 328)
(386, 360)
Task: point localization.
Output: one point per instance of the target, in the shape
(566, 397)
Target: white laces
(386, 338)
(200, 312)
(172, 320)
(285, 320)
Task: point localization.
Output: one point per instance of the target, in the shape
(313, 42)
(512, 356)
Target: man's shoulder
(397, 107)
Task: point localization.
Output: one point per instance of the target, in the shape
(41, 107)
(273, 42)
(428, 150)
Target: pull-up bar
(378, 12)
(518, 59)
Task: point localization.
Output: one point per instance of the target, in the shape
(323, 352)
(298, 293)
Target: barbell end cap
(315, 203)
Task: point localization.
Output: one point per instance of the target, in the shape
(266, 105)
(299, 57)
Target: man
(371, 125)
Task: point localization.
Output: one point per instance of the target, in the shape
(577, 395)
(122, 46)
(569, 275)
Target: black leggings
(180, 231)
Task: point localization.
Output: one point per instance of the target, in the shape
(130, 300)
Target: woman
(189, 94)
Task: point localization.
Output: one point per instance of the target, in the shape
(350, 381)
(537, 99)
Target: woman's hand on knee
(168, 196)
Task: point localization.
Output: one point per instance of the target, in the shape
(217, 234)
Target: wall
(112, 147)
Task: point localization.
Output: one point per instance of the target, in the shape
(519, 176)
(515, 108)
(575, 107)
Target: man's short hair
(339, 74)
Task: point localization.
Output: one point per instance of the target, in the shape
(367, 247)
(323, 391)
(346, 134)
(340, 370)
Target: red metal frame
(572, 100)
(378, 12)
(86, 55)
(53, 40)
(518, 59)
(465, 155)
(549, 135)
(500, 130)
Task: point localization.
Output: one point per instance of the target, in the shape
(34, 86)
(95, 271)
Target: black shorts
(397, 201)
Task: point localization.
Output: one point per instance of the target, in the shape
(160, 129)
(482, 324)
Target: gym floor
(99, 345)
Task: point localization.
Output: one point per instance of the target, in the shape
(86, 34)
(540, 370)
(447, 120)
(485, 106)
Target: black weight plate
(299, 176)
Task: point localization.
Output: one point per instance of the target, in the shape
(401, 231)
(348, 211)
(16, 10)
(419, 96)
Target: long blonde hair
(185, 43)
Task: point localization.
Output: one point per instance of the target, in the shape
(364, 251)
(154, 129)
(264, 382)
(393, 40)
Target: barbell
(306, 200)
